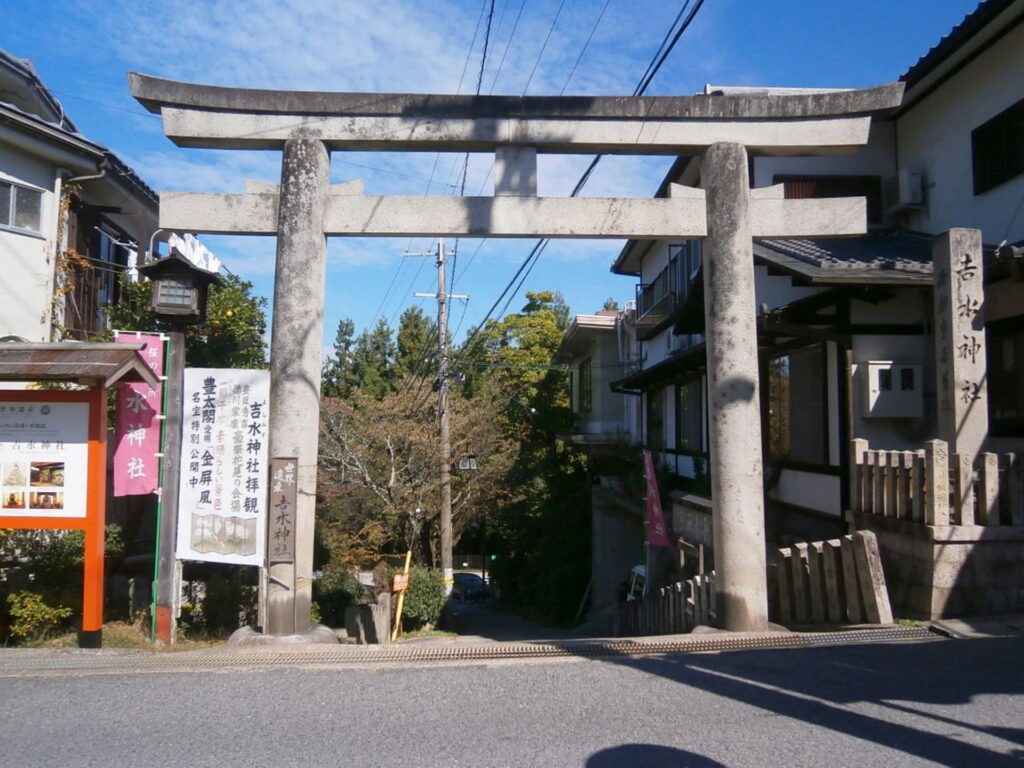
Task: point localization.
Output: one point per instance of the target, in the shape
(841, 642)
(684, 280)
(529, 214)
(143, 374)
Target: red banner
(137, 428)
(657, 533)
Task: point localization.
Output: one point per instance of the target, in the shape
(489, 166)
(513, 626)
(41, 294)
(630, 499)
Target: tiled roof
(890, 257)
(973, 23)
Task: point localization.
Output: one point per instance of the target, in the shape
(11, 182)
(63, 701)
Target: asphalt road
(942, 702)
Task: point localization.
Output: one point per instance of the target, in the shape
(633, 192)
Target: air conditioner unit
(903, 191)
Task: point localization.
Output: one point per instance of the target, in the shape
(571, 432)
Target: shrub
(424, 600)
(31, 617)
(335, 591)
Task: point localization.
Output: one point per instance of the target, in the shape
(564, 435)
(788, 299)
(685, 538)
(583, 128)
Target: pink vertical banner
(137, 428)
(657, 534)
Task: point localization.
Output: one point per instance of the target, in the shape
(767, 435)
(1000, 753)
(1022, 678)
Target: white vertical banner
(222, 503)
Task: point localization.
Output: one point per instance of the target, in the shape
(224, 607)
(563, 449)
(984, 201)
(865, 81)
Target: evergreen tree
(337, 368)
(417, 342)
(611, 304)
(373, 361)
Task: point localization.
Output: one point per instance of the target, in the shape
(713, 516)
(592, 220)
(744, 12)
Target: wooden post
(91, 635)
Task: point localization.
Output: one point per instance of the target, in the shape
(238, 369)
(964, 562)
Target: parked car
(469, 587)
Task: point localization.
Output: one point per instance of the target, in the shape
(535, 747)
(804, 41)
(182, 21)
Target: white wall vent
(903, 191)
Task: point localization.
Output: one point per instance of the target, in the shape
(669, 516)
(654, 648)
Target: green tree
(232, 336)
(373, 361)
(610, 305)
(337, 369)
(416, 342)
(541, 533)
(379, 479)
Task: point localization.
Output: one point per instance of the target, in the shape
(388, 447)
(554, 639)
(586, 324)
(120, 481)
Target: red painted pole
(91, 635)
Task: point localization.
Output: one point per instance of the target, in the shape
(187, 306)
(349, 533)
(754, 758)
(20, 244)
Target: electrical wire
(652, 69)
(540, 55)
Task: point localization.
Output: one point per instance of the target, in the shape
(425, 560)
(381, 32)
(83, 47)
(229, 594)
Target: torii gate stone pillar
(295, 350)
(722, 128)
(733, 392)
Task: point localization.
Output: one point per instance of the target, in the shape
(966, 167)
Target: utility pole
(442, 412)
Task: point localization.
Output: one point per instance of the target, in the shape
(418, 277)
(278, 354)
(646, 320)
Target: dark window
(797, 407)
(997, 149)
(655, 420)
(585, 386)
(690, 416)
(805, 187)
(885, 380)
(572, 400)
(21, 207)
(1005, 347)
(907, 379)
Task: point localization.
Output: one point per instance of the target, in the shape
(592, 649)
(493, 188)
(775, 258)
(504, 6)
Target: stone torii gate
(725, 212)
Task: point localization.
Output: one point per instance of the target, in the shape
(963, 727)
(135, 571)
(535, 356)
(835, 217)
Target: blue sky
(82, 50)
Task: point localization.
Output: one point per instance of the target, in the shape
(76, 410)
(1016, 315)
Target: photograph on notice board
(14, 473)
(46, 500)
(14, 499)
(47, 473)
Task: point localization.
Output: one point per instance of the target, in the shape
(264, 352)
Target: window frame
(786, 459)
(691, 450)
(994, 144)
(10, 225)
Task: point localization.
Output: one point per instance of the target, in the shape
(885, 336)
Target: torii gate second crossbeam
(725, 212)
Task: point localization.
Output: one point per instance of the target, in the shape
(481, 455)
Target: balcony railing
(657, 301)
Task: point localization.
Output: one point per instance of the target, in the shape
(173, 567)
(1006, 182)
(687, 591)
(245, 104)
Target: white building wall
(934, 138)
(876, 158)
(27, 259)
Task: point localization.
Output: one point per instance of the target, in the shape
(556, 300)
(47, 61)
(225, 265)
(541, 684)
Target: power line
(543, 47)
(652, 69)
(585, 46)
(508, 44)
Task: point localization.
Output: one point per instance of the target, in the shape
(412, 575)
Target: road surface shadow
(815, 685)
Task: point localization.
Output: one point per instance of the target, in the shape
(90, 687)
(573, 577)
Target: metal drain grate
(14, 663)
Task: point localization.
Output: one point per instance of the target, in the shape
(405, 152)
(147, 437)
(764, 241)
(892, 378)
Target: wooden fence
(933, 487)
(671, 610)
(839, 581)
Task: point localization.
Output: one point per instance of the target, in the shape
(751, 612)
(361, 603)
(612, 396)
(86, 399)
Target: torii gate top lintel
(156, 92)
(815, 122)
